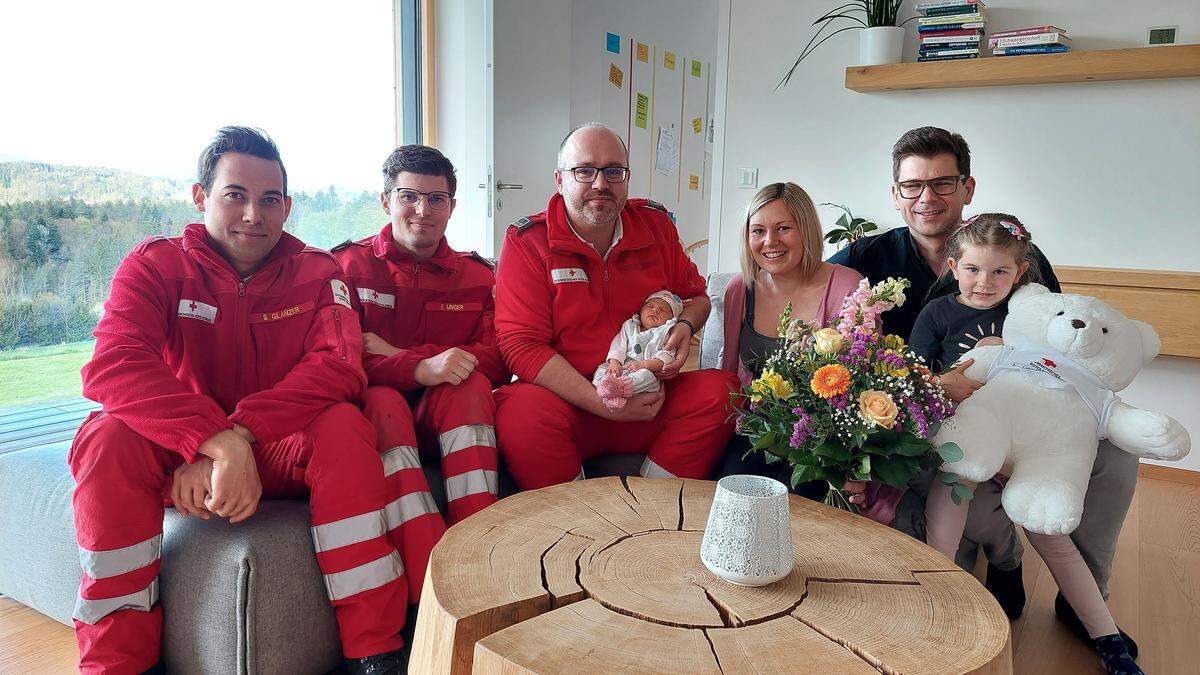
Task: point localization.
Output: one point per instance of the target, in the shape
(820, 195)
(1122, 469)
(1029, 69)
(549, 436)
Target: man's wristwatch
(689, 325)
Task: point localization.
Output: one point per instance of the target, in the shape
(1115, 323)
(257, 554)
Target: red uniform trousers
(121, 480)
(545, 439)
(460, 420)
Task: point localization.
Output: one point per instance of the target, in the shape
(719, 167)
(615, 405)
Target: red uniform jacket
(186, 349)
(422, 307)
(554, 293)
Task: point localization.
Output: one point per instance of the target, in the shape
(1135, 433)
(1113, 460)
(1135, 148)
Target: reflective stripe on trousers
(91, 611)
(652, 470)
(341, 585)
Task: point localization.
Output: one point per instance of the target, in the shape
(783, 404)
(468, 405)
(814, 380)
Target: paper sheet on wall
(613, 43)
(697, 68)
(641, 111)
(615, 75)
(643, 53)
(669, 60)
(666, 157)
(693, 182)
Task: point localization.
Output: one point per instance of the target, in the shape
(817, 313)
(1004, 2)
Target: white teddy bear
(1049, 397)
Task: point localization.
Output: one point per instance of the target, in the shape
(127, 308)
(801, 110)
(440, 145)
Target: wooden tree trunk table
(605, 575)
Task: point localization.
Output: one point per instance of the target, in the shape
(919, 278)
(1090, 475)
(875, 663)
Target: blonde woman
(782, 247)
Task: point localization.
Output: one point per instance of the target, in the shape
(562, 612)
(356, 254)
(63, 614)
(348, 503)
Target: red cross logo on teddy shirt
(1048, 362)
(192, 306)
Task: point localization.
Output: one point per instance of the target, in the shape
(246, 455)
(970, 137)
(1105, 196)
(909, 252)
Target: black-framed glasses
(612, 174)
(437, 200)
(942, 185)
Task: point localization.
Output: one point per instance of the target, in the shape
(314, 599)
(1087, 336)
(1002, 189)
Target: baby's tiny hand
(614, 369)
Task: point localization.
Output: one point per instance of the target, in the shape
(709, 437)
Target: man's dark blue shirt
(895, 254)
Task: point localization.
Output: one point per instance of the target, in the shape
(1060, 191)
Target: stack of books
(1036, 40)
(949, 29)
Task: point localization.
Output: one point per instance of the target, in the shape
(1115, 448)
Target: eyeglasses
(587, 174)
(942, 185)
(438, 201)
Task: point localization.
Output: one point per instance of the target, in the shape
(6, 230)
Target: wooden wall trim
(428, 75)
(1167, 300)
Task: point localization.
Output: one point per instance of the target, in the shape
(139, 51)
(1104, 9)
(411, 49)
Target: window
(104, 119)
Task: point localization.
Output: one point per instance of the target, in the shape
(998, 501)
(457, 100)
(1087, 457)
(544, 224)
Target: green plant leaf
(947, 477)
(832, 450)
(911, 446)
(891, 471)
(844, 221)
(764, 441)
(803, 473)
(950, 452)
(961, 493)
(864, 466)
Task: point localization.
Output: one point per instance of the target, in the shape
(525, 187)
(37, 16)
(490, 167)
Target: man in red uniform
(428, 334)
(225, 362)
(568, 277)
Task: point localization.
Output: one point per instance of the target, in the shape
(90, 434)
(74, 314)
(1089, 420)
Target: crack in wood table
(605, 575)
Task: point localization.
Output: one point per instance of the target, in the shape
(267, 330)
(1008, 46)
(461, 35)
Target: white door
(518, 109)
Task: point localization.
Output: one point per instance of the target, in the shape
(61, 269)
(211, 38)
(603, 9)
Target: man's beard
(604, 213)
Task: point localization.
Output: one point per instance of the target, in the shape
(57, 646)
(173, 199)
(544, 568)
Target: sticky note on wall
(643, 53)
(697, 126)
(693, 182)
(613, 43)
(641, 110)
(615, 75)
(669, 60)
(696, 68)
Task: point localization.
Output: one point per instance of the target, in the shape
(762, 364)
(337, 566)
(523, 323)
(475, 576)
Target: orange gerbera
(830, 380)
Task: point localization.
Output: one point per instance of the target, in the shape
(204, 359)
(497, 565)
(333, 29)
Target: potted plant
(848, 229)
(882, 39)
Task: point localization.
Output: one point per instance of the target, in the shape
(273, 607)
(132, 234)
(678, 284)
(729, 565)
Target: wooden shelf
(1142, 63)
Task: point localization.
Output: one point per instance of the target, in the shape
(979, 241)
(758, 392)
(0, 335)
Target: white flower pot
(880, 45)
(748, 539)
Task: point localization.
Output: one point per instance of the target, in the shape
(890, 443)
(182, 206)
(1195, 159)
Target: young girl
(637, 353)
(989, 256)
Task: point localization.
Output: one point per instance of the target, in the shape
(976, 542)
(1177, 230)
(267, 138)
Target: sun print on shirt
(969, 339)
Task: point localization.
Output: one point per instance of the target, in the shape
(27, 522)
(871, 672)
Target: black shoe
(387, 663)
(1065, 614)
(1115, 654)
(1007, 588)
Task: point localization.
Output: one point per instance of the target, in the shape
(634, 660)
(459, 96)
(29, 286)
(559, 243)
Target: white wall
(1105, 174)
(686, 27)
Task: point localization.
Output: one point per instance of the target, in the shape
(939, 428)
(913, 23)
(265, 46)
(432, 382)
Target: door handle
(509, 186)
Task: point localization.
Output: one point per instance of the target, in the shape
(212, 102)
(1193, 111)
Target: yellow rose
(878, 407)
(827, 341)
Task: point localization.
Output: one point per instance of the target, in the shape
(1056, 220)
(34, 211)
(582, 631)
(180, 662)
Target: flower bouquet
(846, 403)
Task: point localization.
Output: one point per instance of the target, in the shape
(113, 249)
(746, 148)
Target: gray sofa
(245, 598)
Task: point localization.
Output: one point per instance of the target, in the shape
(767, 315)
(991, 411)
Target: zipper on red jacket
(242, 325)
(337, 328)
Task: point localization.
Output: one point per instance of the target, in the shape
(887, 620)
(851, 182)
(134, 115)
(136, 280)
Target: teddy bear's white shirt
(1046, 436)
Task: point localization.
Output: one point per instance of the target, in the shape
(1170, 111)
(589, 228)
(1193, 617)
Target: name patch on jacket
(341, 294)
(194, 309)
(263, 317)
(374, 297)
(453, 306)
(566, 275)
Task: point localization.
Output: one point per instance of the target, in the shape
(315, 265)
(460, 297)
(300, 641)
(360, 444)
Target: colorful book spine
(955, 18)
(948, 52)
(929, 47)
(936, 4)
(949, 26)
(1023, 40)
(950, 10)
(952, 35)
(1028, 31)
(922, 59)
(1036, 49)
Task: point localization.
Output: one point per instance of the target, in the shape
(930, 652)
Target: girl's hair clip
(1013, 229)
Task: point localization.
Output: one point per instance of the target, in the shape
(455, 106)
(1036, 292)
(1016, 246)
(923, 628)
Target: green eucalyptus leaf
(947, 477)
(961, 493)
(950, 452)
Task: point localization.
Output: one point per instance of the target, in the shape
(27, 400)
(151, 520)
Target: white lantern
(748, 539)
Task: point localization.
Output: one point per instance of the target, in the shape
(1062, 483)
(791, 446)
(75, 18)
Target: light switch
(747, 178)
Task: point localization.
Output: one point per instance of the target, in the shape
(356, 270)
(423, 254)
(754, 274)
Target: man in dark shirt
(931, 183)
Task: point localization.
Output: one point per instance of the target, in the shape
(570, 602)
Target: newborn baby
(637, 353)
